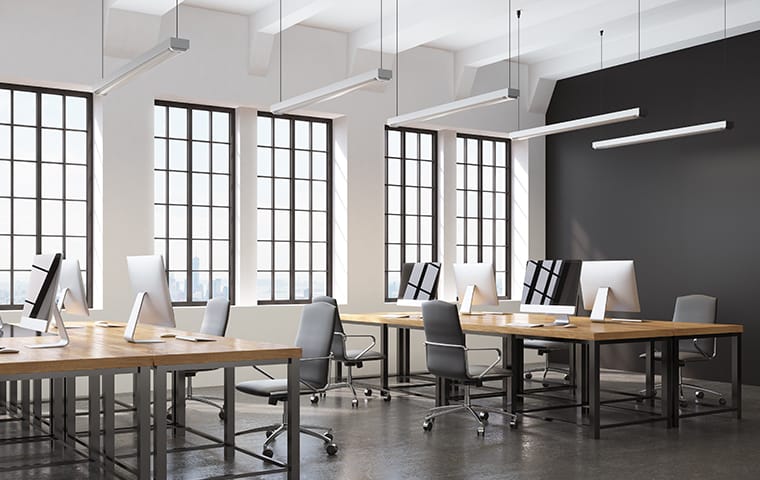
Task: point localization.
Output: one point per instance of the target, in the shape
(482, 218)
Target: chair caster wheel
(483, 416)
(368, 392)
(268, 452)
(387, 397)
(481, 431)
(427, 425)
(323, 394)
(222, 415)
(545, 384)
(331, 449)
(268, 433)
(169, 417)
(513, 424)
(329, 435)
(528, 376)
(314, 399)
(722, 401)
(354, 403)
(566, 377)
(699, 395)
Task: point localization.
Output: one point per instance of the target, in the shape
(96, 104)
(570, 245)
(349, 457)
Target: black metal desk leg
(736, 374)
(93, 414)
(593, 388)
(70, 409)
(142, 405)
(109, 403)
(3, 397)
(37, 402)
(580, 380)
(229, 413)
(506, 365)
(670, 381)
(25, 399)
(179, 413)
(517, 372)
(293, 421)
(57, 416)
(384, 361)
(649, 369)
(159, 430)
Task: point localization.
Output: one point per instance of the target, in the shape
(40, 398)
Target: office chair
(315, 334)
(697, 309)
(544, 348)
(446, 354)
(350, 358)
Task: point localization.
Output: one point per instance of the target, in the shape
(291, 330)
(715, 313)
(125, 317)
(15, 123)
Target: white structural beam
(148, 7)
(267, 20)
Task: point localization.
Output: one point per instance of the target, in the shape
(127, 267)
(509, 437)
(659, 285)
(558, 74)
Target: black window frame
(39, 91)
(508, 208)
(403, 185)
(189, 107)
(292, 209)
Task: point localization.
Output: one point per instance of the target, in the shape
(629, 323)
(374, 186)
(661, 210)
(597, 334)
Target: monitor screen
(551, 282)
(419, 281)
(41, 290)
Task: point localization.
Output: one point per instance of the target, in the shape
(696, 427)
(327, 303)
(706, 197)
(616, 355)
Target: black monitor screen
(43, 283)
(419, 281)
(551, 282)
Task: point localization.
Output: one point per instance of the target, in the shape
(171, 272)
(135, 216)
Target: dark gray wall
(686, 210)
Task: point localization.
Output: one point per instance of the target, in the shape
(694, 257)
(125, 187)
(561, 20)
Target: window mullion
(292, 250)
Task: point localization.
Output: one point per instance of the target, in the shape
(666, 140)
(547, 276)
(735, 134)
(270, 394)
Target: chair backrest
(315, 333)
(337, 342)
(441, 322)
(216, 317)
(696, 309)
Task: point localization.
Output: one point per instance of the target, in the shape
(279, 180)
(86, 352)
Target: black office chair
(351, 358)
(446, 354)
(697, 309)
(315, 334)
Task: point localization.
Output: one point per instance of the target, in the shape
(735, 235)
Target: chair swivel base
(349, 383)
(699, 393)
(481, 416)
(277, 429)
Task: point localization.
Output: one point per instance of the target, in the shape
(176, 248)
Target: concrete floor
(384, 440)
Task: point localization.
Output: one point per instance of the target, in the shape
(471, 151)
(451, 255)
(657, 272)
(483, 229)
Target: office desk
(170, 356)
(590, 335)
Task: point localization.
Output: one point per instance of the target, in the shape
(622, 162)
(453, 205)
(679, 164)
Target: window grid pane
(410, 202)
(483, 200)
(294, 189)
(194, 202)
(45, 183)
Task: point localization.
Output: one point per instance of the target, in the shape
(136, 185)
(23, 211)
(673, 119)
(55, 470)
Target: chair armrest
(263, 372)
(366, 349)
(490, 367)
(702, 352)
(310, 359)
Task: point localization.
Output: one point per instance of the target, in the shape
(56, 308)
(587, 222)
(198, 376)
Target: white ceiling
(558, 37)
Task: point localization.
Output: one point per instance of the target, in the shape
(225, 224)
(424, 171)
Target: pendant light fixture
(476, 101)
(585, 122)
(336, 89)
(668, 134)
(158, 54)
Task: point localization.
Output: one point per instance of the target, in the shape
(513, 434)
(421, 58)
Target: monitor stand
(600, 309)
(134, 317)
(63, 336)
(466, 307)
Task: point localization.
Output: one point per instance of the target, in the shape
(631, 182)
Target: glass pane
(159, 220)
(411, 229)
(501, 180)
(426, 201)
(178, 222)
(200, 258)
(220, 284)
(426, 230)
(264, 193)
(472, 177)
(281, 133)
(264, 255)
(487, 205)
(410, 150)
(264, 286)
(5, 141)
(201, 129)
(426, 174)
(394, 200)
(5, 258)
(52, 217)
(281, 256)
(24, 218)
(177, 255)
(264, 162)
(201, 161)
(394, 256)
(264, 225)
(319, 196)
(24, 179)
(178, 286)
(24, 143)
(220, 193)
(460, 231)
(472, 151)
(394, 171)
(177, 155)
(221, 126)
(426, 253)
(393, 281)
(177, 187)
(394, 228)
(5, 178)
(52, 145)
(159, 187)
(200, 189)
(23, 252)
(319, 256)
(52, 111)
(220, 228)
(460, 176)
(159, 121)
(159, 153)
(460, 254)
(76, 113)
(487, 148)
(282, 225)
(426, 147)
(220, 255)
(264, 131)
(501, 232)
(501, 154)
(76, 248)
(200, 286)
(472, 204)
(302, 164)
(281, 286)
(411, 254)
(460, 203)
(472, 232)
(501, 259)
(221, 158)
(5, 216)
(472, 254)
(302, 134)
(319, 136)
(302, 256)
(5, 284)
(5, 107)
(501, 205)
(76, 147)
(487, 255)
(411, 172)
(24, 108)
(319, 166)
(52, 181)
(177, 122)
(487, 178)
(281, 163)
(487, 237)
(201, 222)
(20, 283)
(302, 286)
(412, 194)
(281, 194)
(319, 227)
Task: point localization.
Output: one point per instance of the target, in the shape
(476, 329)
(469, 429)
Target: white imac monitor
(72, 297)
(419, 283)
(609, 285)
(551, 287)
(40, 309)
(476, 285)
(153, 304)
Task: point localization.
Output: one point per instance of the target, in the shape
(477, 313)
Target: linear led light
(333, 90)
(485, 99)
(163, 51)
(662, 135)
(578, 124)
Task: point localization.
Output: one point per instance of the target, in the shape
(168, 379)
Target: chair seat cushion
(682, 356)
(547, 345)
(495, 372)
(352, 354)
(265, 388)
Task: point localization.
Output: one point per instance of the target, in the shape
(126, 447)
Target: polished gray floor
(384, 440)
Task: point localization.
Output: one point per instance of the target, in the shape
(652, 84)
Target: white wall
(57, 43)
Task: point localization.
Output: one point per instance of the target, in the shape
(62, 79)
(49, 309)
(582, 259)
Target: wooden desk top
(585, 329)
(95, 348)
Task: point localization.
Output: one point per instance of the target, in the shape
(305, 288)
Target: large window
(483, 205)
(194, 202)
(410, 202)
(45, 183)
(294, 208)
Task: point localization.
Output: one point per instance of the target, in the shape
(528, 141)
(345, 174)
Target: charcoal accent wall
(686, 210)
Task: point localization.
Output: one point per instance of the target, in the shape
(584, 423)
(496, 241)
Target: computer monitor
(40, 309)
(476, 285)
(72, 297)
(609, 285)
(153, 304)
(419, 283)
(551, 287)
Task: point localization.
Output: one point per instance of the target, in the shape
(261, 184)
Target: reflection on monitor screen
(419, 281)
(551, 287)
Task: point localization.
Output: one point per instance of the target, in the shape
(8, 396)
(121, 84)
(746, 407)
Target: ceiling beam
(148, 7)
(267, 20)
